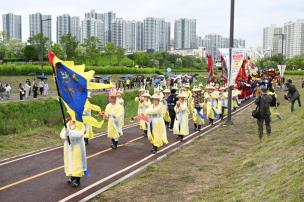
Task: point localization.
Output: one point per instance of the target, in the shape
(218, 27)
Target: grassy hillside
(228, 165)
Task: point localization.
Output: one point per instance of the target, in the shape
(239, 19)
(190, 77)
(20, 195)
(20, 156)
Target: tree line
(294, 63)
(91, 52)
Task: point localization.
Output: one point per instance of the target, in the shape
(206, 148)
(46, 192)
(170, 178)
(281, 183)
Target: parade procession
(163, 111)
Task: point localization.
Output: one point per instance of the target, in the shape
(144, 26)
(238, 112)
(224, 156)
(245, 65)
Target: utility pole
(231, 40)
(42, 45)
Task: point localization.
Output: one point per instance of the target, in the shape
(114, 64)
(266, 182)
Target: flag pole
(231, 40)
(59, 95)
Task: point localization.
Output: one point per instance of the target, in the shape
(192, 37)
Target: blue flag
(73, 89)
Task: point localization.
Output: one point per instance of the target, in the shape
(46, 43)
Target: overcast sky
(212, 15)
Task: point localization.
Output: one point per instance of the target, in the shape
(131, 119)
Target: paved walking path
(39, 176)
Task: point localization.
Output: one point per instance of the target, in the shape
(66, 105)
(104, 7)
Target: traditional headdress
(112, 92)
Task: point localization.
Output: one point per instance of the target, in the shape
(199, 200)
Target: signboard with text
(238, 55)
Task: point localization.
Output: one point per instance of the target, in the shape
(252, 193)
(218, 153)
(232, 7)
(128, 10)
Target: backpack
(257, 113)
(273, 100)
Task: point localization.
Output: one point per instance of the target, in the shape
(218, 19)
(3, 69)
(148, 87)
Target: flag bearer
(74, 152)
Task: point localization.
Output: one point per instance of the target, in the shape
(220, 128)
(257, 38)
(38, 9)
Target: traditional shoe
(113, 146)
(75, 183)
(181, 138)
(69, 181)
(86, 141)
(199, 128)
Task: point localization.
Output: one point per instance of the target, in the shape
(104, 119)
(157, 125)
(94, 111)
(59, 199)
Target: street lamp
(229, 120)
(41, 47)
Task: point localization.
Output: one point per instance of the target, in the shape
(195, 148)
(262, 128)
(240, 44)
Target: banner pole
(60, 102)
(231, 41)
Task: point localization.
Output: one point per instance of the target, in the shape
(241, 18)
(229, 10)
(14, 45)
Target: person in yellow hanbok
(223, 102)
(274, 104)
(235, 99)
(113, 113)
(144, 103)
(74, 153)
(165, 106)
(89, 134)
(121, 102)
(211, 103)
(181, 123)
(187, 91)
(157, 133)
(197, 109)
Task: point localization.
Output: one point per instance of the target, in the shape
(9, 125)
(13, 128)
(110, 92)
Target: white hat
(167, 90)
(146, 94)
(155, 96)
(182, 95)
(187, 85)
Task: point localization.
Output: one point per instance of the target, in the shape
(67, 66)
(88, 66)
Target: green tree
(92, 45)
(279, 58)
(14, 49)
(30, 53)
(2, 45)
(141, 59)
(120, 54)
(110, 51)
(127, 62)
(69, 44)
(57, 49)
(41, 44)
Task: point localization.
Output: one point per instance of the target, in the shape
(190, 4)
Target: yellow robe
(166, 115)
(74, 155)
(157, 133)
(211, 102)
(223, 103)
(274, 109)
(196, 118)
(88, 128)
(121, 102)
(188, 99)
(181, 122)
(235, 100)
(115, 113)
(142, 107)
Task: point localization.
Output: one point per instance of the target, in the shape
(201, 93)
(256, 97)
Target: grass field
(228, 165)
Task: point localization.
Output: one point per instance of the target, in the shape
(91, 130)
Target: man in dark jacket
(292, 95)
(263, 103)
(171, 102)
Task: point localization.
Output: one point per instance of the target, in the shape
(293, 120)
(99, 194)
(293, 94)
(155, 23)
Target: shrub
(12, 69)
(22, 117)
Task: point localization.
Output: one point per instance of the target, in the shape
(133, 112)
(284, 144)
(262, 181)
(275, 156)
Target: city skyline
(212, 17)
